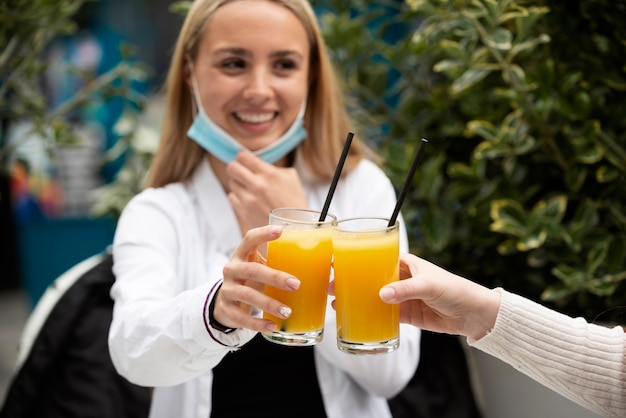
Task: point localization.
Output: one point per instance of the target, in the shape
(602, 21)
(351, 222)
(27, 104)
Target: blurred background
(522, 184)
(56, 129)
(52, 175)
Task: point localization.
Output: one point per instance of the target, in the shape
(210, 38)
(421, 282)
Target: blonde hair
(326, 119)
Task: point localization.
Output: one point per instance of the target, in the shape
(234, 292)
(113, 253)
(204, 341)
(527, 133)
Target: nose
(258, 86)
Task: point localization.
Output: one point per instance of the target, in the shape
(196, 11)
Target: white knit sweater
(584, 362)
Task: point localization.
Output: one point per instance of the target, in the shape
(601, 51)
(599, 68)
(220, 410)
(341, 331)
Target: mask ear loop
(302, 110)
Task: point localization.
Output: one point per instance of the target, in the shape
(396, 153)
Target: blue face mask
(222, 145)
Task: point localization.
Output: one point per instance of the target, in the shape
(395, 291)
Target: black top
(264, 379)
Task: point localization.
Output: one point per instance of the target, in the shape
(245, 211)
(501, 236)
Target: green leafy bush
(523, 182)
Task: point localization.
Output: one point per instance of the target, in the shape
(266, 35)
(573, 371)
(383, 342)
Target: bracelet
(214, 322)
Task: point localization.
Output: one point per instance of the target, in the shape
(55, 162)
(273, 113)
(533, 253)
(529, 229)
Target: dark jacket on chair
(65, 368)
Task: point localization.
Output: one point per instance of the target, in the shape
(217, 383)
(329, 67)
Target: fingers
(234, 305)
(253, 239)
(244, 288)
(254, 182)
(252, 162)
(245, 278)
(408, 265)
(251, 190)
(256, 276)
(330, 288)
(258, 257)
(246, 168)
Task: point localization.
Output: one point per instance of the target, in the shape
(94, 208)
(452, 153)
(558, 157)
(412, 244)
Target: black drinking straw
(333, 183)
(407, 182)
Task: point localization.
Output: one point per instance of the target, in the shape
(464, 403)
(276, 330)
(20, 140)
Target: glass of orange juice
(366, 257)
(304, 250)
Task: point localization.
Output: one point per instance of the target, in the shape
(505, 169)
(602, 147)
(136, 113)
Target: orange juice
(304, 250)
(306, 254)
(365, 261)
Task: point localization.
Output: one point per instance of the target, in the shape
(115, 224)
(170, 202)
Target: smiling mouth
(255, 117)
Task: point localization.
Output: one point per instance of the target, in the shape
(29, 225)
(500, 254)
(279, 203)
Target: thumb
(401, 291)
(387, 293)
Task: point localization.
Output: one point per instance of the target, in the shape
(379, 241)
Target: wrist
(214, 323)
(484, 318)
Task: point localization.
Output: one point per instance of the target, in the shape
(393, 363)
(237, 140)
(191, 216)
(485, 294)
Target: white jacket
(169, 250)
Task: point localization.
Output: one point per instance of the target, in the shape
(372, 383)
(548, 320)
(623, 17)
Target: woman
(254, 120)
(583, 362)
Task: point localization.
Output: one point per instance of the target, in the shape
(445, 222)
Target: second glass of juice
(304, 250)
(366, 257)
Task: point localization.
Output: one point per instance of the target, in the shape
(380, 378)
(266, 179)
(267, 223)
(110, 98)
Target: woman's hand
(245, 277)
(435, 299)
(256, 187)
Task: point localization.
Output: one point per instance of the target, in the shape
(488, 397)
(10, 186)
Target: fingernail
(285, 312)
(386, 293)
(293, 283)
(270, 326)
(275, 229)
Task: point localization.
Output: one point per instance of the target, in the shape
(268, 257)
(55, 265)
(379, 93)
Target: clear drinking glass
(366, 257)
(304, 250)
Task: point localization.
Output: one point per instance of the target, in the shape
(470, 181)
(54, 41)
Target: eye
(285, 65)
(233, 64)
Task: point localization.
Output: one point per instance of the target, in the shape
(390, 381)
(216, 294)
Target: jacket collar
(215, 207)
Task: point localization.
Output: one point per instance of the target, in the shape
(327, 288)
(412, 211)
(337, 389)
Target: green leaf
(469, 78)
(507, 247)
(488, 151)
(575, 177)
(554, 208)
(500, 39)
(606, 174)
(570, 276)
(597, 255)
(476, 10)
(508, 217)
(557, 293)
(590, 155)
(606, 285)
(527, 46)
(515, 76)
(526, 23)
(448, 66)
(510, 15)
(601, 288)
(481, 128)
(584, 219)
(532, 241)
(462, 171)
(613, 150)
(453, 49)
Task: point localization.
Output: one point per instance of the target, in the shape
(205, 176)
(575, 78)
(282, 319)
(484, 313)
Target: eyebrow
(245, 53)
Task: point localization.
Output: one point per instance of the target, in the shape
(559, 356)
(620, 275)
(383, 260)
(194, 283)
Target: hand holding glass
(304, 250)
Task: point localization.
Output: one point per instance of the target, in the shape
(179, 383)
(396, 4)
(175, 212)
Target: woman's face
(252, 70)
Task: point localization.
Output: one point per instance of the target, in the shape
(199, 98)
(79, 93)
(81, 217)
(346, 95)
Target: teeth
(255, 117)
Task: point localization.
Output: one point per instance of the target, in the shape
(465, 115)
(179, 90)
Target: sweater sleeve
(581, 361)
